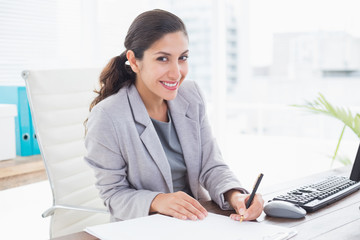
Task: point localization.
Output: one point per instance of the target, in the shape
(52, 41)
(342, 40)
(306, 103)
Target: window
(252, 59)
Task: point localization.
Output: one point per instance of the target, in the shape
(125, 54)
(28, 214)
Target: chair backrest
(59, 102)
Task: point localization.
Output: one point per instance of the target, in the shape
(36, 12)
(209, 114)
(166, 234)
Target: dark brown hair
(146, 29)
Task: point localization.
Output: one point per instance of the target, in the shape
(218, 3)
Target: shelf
(21, 171)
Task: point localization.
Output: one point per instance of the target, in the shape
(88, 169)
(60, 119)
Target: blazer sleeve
(215, 174)
(105, 158)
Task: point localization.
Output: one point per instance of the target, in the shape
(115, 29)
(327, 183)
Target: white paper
(213, 227)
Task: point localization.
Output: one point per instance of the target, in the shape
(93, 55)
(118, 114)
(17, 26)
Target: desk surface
(340, 220)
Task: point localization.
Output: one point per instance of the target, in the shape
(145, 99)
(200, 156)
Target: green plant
(322, 106)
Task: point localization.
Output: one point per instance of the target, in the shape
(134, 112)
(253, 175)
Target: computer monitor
(355, 172)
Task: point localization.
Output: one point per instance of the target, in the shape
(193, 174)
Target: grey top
(171, 145)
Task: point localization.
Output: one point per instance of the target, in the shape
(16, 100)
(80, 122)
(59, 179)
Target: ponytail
(113, 77)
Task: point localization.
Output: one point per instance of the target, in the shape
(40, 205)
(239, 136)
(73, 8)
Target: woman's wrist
(231, 195)
(153, 205)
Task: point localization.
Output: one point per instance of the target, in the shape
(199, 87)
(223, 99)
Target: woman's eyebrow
(168, 54)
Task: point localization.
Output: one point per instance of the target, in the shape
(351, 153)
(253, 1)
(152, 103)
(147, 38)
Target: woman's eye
(184, 58)
(162, 59)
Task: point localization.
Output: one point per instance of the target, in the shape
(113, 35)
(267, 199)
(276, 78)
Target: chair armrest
(51, 210)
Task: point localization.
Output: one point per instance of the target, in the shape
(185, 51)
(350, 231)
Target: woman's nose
(174, 72)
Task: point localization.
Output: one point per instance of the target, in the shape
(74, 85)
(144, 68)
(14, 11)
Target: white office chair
(59, 102)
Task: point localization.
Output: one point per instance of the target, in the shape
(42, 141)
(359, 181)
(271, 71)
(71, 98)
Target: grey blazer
(130, 164)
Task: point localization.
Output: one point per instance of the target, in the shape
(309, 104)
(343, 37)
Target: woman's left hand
(237, 200)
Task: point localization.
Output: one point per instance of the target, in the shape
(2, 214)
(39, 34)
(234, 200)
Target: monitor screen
(355, 172)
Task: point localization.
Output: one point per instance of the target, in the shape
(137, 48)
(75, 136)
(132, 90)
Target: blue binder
(26, 144)
(35, 145)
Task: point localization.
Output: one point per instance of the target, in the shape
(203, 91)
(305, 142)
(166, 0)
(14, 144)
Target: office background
(252, 58)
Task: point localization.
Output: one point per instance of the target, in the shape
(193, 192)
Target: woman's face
(163, 67)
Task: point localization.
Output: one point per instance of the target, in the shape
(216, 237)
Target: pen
(252, 195)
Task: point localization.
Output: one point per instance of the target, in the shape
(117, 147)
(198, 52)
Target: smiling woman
(148, 137)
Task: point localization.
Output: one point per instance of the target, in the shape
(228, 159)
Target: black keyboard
(320, 194)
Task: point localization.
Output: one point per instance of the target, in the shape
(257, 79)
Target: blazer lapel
(149, 136)
(187, 130)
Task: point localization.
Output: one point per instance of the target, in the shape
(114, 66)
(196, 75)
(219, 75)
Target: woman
(148, 137)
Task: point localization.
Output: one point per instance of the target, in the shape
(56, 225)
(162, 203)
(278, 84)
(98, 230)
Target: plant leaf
(357, 123)
(344, 160)
(322, 106)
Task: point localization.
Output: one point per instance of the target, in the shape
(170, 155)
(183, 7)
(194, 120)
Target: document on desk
(213, 227)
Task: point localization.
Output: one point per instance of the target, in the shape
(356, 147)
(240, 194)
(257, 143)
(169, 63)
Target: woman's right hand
(179, 205)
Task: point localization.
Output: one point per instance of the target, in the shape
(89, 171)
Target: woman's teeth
(170, 84)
